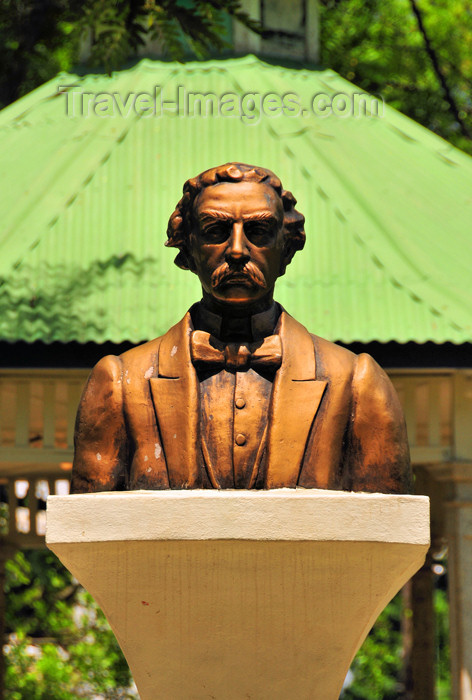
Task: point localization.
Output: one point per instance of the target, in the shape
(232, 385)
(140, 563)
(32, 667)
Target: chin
(238, 293)
(237, 300)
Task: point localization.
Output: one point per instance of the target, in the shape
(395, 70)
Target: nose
(237, 250)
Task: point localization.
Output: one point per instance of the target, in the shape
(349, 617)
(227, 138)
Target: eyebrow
(262, 216)
(212, 215)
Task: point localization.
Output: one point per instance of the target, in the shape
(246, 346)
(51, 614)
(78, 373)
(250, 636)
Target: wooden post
(418, 629)
(459, 512)
(420, 674)
(423, 657)
(407, 637)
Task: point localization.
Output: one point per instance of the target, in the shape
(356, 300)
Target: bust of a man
(239, 394)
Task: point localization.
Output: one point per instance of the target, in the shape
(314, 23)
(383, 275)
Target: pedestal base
(233, 595)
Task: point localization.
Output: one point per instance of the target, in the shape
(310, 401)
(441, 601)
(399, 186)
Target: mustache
(249, 271)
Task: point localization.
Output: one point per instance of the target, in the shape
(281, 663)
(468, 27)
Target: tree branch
(439, 73)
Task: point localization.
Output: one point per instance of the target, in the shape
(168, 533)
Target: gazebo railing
(428, 403)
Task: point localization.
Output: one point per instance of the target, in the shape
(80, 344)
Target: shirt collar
(262, 324)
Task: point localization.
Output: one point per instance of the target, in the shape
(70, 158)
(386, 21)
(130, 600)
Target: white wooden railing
(428, 403)
(37, 418)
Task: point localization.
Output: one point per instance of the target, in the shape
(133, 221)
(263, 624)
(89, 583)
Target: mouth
(237, 279)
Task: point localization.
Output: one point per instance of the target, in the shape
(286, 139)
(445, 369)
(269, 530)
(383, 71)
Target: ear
(185, 261)
(287, 257)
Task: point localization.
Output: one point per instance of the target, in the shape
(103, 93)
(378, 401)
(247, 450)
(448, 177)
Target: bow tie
(207, 351)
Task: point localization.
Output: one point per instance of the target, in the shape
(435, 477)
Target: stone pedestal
(240, 594)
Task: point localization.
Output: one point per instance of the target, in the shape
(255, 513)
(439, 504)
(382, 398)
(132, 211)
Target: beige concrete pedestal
(235, 595)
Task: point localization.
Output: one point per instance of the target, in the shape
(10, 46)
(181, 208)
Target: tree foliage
(60, 646)
(380, 47)
(39, 38)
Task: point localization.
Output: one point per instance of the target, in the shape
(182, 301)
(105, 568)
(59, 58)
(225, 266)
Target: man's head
(237, 229)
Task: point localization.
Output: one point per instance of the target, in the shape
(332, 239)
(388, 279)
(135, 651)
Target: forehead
(239, 198)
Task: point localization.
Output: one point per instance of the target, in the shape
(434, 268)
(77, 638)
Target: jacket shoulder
(145, 357)
(333, 360)
(142, 356)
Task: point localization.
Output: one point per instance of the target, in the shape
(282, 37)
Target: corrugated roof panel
(388, 208)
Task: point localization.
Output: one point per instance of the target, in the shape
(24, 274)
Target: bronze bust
(239, 394)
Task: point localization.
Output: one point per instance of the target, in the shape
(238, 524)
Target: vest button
(240, 403)
(240, 439)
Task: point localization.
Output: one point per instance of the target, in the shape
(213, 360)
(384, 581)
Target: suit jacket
(334, 419)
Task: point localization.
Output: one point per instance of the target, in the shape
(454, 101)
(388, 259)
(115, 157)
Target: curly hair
(181, 221)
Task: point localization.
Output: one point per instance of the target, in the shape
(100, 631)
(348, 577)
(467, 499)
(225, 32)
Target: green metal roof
(85, 203)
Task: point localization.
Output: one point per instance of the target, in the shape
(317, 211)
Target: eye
(215, 233)
(259, 233)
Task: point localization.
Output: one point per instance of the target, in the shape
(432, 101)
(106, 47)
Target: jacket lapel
(176, 401)
(296, 396)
